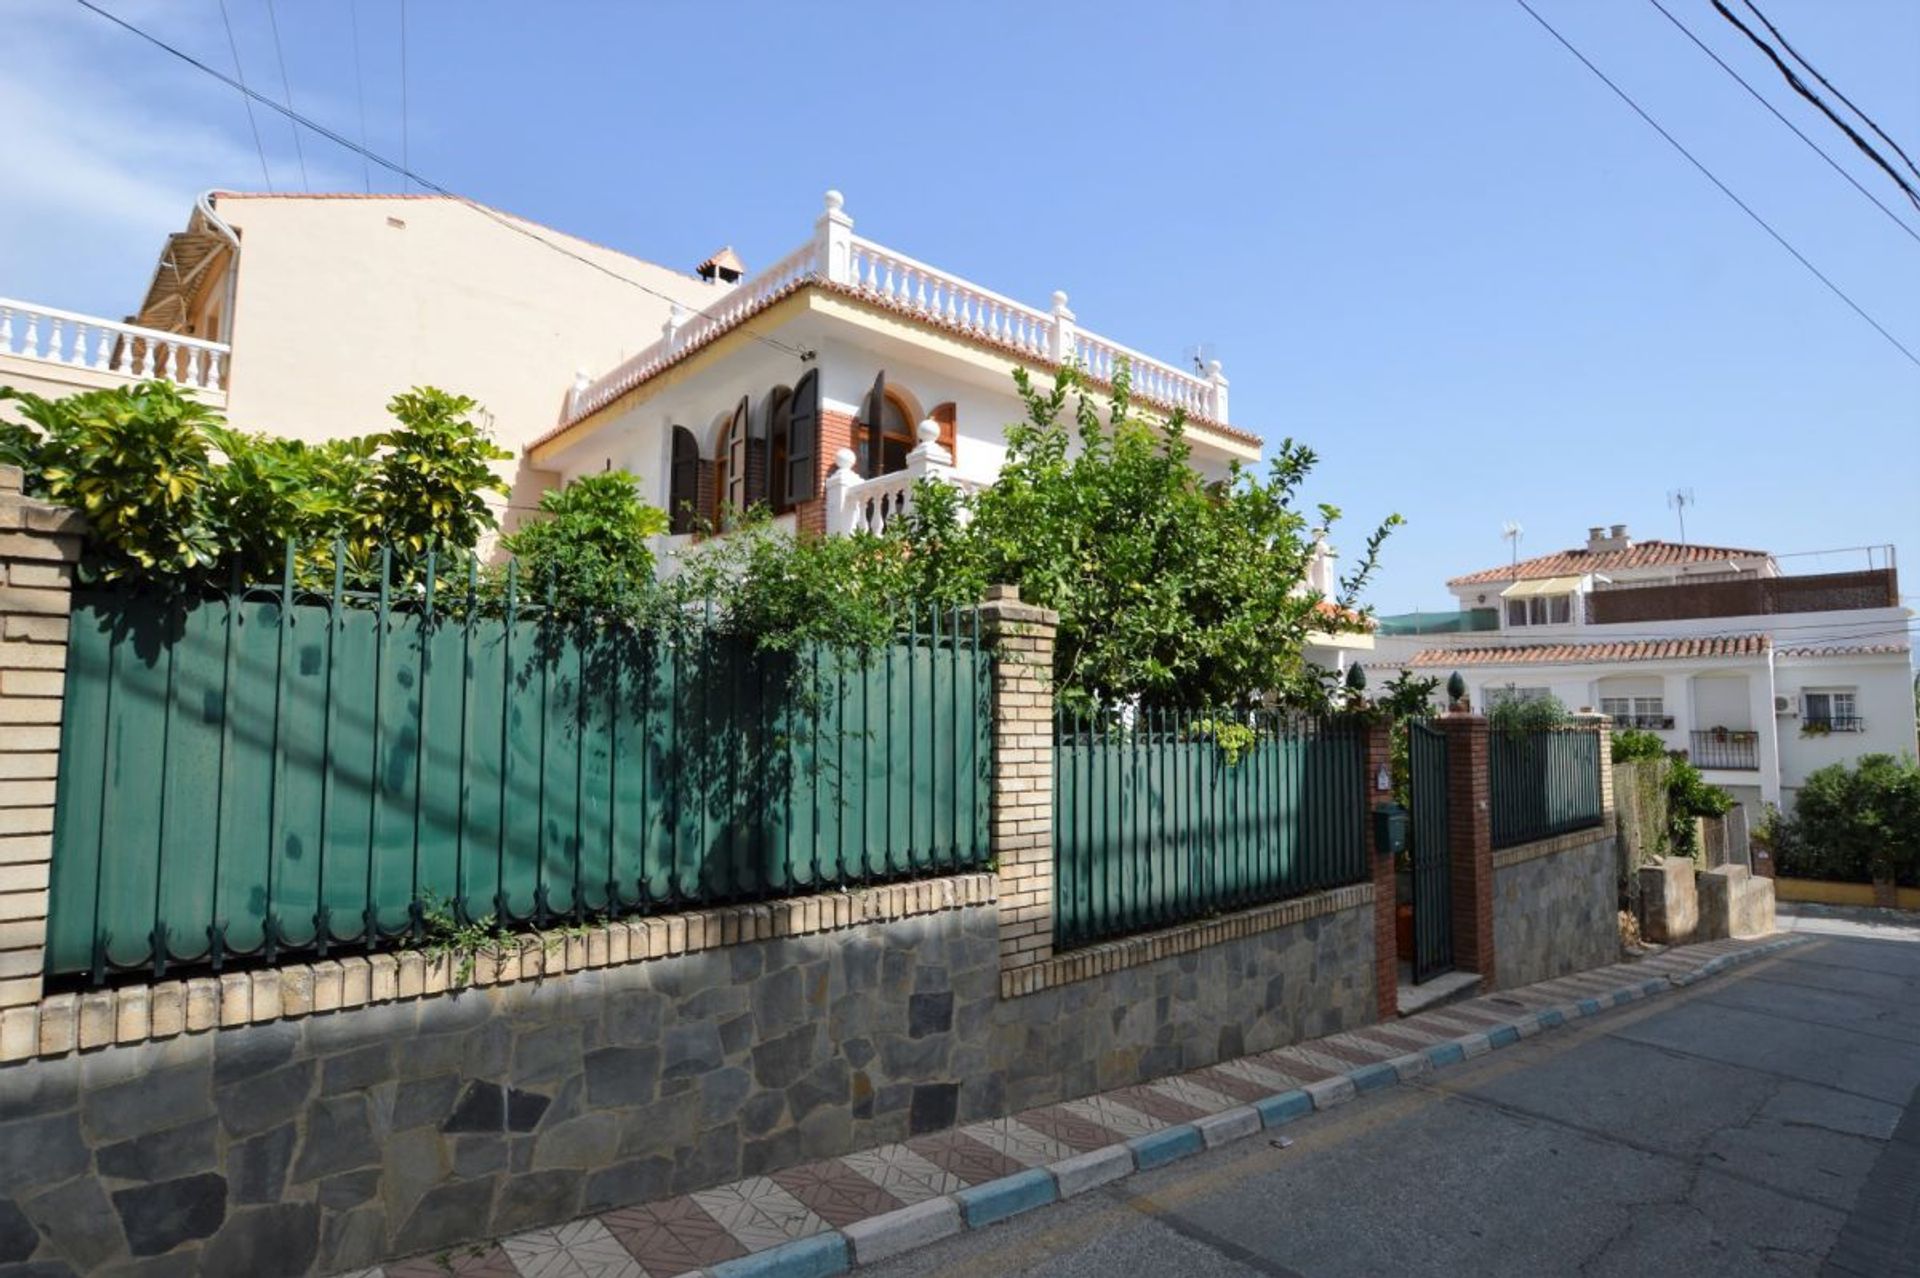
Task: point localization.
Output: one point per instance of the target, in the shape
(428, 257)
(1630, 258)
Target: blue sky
(1419, 235)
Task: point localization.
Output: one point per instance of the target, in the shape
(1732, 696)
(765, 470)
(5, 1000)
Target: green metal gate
(1432, 876)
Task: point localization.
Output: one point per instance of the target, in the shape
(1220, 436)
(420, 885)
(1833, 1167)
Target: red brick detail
(1470, 843)
(1386, 959)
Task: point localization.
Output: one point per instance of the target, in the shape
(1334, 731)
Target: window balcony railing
(1725, 748)
(1820, 724)
(1644, 722)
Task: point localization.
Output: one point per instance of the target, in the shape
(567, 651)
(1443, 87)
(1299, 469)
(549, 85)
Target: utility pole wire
(246, 96)
(1832, 163)
(1799, 87)
(1826, 84)
(1725, 190)
(503, 219)
(406, 124)
(286, 87)
(360, 93)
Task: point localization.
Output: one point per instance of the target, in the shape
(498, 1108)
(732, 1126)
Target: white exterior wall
(1884, 688)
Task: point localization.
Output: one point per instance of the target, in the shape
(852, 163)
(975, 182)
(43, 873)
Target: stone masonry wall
(1556, 906)
(334, 1140)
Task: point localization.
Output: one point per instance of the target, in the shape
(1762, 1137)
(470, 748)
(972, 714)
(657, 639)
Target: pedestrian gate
(1432, 876)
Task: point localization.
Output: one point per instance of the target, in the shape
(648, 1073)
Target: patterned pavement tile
(1115, 1116)
(1265, 1072)
(1309, 1067)
(964, 1156)
(1393, 1037)
(483, 1260)
(672, 1236)
(1242, 1089)
(759, 1213)
(1019, 1142)
(1359, 1051)
(838, 1194)
(582, 1249)
(1074, 1130)
(1191, 1089)
(1152, 1100)
(903, 1173)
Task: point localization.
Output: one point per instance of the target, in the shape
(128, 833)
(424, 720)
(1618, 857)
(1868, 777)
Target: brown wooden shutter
(948, 419)
(803, 439)
(683, 482)
(737, 497)
(876, 428)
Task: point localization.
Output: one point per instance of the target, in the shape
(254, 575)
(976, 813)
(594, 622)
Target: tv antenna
(1678, 500)
(1513, 532)
(1201, 355)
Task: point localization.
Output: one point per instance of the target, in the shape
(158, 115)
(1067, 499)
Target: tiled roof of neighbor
(1568, 563)
(1544, 654)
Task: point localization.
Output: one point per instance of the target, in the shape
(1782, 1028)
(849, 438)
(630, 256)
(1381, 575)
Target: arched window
(881, 448)
(730, 467)
(803, 439)
(683, 483)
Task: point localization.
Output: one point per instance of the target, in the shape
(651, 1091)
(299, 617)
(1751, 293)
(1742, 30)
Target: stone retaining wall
(1556, 906)
(325, 1142)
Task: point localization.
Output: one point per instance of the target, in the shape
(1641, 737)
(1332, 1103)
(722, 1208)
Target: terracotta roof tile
(1847, 650)
(1564, 654)
(1569, 563)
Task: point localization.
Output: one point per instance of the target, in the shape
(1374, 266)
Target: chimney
(1601, 540)
(724, 267)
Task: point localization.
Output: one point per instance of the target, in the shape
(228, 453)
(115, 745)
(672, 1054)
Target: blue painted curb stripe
(1550, 1018)
(1368, 1077)
(1503, 1035)
(1156, 1149)
(1591, 1006)
(1446, 1054)
(1009, 1196)
(816, 1257)
(1284, 1108)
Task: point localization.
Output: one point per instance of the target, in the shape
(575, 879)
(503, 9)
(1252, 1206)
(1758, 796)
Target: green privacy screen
(264, 772)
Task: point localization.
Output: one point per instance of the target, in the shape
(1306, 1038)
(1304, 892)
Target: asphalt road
(1766, 1121)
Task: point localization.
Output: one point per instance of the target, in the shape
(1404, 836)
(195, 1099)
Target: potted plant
(1719, 732)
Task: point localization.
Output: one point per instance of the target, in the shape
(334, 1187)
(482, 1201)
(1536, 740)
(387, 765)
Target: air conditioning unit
(1787, 706)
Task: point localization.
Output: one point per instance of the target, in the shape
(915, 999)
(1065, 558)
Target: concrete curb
(981, 1205)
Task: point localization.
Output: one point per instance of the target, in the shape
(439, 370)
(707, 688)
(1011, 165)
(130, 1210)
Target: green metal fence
(1160, 821)
(266, 771)
(1544, 781)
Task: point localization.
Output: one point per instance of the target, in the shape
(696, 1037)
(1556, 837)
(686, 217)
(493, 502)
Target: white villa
(1759, 674)
(821, 386)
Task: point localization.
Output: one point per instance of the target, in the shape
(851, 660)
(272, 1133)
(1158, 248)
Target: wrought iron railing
(1818, 723)
(1543, 782)
(1178, 816)
(271, 771)
(1644, 722)
(1725, 748)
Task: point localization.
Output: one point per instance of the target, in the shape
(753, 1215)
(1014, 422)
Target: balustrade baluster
(103, 350)
(193, 367)
(30, 343)
(56, 337)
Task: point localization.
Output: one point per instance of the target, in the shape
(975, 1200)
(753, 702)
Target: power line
(246, 96)
(360, 93)
(1798, 86)
(511, 223)
(405, 121)
(286, 87)
(1757, 96)
(1725, 190)
(1827, 84)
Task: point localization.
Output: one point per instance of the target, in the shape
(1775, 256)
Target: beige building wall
(342, 301)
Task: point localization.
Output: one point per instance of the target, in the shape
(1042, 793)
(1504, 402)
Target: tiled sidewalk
(823, 1217)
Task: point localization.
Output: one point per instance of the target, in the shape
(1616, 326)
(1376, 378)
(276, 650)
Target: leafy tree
(593, 544)
(1172, 591)
(174, 495)
(1857, 822)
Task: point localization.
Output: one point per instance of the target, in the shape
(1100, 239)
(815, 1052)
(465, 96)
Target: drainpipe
(205, 206)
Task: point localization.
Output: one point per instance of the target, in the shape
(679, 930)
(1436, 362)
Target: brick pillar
(1602, 724)
(1470, 843)
(38, 546)
(1021, 805)
(1386, 954)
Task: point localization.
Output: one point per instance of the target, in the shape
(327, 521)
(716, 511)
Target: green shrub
(592, 545)
(1633, 743)
(1690, 796)
(1856, 823)
(1516, 715)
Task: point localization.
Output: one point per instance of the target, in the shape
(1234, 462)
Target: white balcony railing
(104, 346)
(836, 255)
(856, 505)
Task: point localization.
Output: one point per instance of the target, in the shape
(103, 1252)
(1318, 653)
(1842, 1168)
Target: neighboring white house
(1759, 674)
